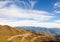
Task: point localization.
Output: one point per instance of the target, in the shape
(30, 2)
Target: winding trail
(32, 40)
(23, 37)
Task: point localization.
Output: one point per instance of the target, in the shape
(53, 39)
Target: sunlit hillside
(10, 34)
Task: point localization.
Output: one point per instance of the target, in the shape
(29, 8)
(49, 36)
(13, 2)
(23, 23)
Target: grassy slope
(7, 31)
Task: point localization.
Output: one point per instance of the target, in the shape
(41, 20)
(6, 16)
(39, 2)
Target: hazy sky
(42, 13)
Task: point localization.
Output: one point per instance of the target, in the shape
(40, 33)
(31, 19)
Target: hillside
(11, 34)
(52, 31)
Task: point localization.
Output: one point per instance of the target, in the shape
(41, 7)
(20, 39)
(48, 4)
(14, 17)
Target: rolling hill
(11, 34)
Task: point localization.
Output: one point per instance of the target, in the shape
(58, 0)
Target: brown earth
(11, 34)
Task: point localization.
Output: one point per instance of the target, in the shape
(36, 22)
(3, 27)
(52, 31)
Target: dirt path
(32, 40)
(23, 37)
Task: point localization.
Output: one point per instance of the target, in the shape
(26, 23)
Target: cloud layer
(15, 16)
(14, 12)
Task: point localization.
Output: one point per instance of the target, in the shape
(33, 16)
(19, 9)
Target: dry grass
(7, 31)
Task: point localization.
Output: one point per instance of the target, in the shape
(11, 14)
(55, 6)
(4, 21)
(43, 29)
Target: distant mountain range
(52, 31)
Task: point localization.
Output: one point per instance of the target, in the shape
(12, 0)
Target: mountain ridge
(52, 31)
(11, 34)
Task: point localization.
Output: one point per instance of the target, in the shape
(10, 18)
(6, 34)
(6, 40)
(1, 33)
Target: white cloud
(3, 20)
(3, 3)
(57, 21)
(13, 11)
(57, 4)
(56, 11)
(32, 23)
(57, 7)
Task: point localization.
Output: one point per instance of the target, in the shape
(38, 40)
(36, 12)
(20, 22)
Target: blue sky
(42, 13)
